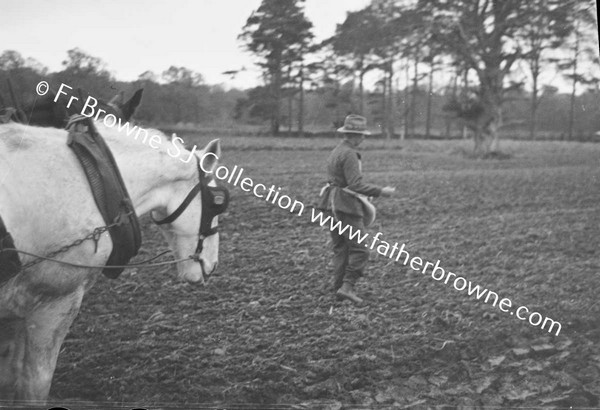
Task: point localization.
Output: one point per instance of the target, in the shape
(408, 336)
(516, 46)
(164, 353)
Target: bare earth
(267, 331)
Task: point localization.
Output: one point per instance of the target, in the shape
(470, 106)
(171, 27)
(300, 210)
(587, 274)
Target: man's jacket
(344, 171)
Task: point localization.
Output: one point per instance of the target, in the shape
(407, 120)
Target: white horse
(46, 203)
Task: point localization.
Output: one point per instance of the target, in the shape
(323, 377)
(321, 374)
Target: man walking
(345, 174)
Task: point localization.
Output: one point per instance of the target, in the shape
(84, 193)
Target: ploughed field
(266, 329)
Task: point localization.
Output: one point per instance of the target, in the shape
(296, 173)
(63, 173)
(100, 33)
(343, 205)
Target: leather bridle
(214, 202)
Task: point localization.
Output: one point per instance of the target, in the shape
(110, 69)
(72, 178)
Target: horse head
(37, 306)
(45, 112)
(190, 220)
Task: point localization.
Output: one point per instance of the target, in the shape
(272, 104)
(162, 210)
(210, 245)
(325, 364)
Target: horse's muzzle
(202, 275)
(194, 277)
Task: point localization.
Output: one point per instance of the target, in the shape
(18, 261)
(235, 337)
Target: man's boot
(347, 292)
(337, 283)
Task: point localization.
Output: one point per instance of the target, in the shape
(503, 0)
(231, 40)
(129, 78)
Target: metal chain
(94, 235)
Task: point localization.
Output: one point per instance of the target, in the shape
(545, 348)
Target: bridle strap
(169, 219)
(205, 230)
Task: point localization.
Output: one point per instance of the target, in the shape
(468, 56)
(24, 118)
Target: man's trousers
(349, 257)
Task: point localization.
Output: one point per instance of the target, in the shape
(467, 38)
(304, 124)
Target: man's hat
(355, 124)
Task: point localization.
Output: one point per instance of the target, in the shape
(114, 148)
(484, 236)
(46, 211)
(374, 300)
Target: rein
(95, 236)
(79, 265)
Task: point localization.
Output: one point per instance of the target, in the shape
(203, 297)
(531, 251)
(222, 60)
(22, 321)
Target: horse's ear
(210, 161)
(130, 106)
(117, 100)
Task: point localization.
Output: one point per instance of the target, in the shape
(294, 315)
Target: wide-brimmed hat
(354, 124)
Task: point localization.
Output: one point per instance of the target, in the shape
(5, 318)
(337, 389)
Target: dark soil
(267, 331)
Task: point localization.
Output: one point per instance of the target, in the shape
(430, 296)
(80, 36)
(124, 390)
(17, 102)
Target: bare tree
(479, 32)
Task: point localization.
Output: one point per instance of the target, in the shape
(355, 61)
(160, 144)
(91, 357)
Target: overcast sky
(133, 36)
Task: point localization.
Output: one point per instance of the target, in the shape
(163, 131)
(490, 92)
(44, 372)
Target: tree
(546, 29)
(378, 37)
(148, 75)
(433, 65)
(80, 64)
(279, 34)
(257, 104)
(335, 84)
(185, 91)
(183, 76)
(13, 63)
(583, 44)
(416, 45)
(482, 33)
(82, 70)
(391, 40)
(356, 38)
(11, 60)
(23, 74)
(403, 33)
(306, 74)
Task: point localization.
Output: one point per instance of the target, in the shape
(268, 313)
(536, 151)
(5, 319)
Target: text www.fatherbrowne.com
(437, 273)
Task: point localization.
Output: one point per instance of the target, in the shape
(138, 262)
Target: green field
(266, 330)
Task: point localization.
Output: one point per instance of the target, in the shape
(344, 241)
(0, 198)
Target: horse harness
(118, 212)
(214, 199)
(10, 264)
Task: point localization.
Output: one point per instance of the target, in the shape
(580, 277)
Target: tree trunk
(384, 128)
(361, 87)
(572, 108)
(490, 121)
(406, 102)
(429, 98)
(390, 107)
(290, 114)
(301, 104)
(290, 99)
(413, 102)
(454, 94)
(534, 101)
(494, 129)
(465, 95)
(276, 95)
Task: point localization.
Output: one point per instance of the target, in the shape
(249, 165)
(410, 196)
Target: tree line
(488, 51)
(176, 96)
(439, 68)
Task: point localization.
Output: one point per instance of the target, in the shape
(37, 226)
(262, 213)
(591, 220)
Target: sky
(132, 36)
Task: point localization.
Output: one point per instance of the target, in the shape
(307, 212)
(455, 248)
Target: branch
(514, 86)
(468, 52)
(510, 60)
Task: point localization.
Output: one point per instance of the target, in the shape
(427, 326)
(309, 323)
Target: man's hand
(388, 191)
